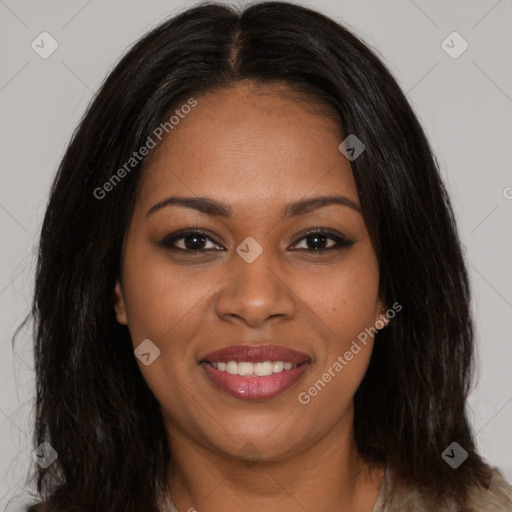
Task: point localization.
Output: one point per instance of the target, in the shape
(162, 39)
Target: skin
(256, 149)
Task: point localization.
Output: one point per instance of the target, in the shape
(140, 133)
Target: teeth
(245, 368)
(277, 366)
(263, 369)
(260, 369)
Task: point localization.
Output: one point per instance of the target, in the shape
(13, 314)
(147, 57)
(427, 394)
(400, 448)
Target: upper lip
(256, 353)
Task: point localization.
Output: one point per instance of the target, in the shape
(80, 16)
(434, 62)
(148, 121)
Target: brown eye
(318, 241)
(193, 241)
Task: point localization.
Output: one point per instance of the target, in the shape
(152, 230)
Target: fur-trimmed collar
(498, 498)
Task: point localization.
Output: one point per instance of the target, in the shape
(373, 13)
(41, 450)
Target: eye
(196, 241)
(319, 240)
(191, 240)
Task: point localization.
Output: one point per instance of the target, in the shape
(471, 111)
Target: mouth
(255, 372)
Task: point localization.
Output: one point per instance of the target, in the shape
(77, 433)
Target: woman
(250, 292)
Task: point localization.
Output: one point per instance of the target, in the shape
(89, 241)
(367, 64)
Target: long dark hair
(93, 405)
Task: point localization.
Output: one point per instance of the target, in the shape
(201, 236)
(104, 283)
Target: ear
(119, 305)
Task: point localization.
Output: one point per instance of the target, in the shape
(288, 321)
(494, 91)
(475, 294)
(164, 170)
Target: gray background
(465, 105)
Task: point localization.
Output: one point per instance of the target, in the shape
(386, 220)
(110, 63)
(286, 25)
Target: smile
(254, 372)
(248, 369)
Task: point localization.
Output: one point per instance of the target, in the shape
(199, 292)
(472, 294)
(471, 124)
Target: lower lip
(255, 388)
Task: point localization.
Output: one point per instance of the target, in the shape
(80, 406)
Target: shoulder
(496, 498)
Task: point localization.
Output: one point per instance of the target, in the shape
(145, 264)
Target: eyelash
(168, 241)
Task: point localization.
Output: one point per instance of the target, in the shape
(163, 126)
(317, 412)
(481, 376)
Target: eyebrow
(215, 208)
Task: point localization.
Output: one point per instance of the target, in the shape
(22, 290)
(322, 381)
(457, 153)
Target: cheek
(161, 300)
(344, 303)
(343, 298)
(164, 306)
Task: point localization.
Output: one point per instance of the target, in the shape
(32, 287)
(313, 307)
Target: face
(256, 271)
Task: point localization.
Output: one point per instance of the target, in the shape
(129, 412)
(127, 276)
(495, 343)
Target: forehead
(251, 145)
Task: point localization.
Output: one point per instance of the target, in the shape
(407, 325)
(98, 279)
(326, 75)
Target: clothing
(498, 498)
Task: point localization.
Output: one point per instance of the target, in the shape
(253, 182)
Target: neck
(329, 474)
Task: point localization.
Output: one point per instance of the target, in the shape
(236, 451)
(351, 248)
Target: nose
(256, 292)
